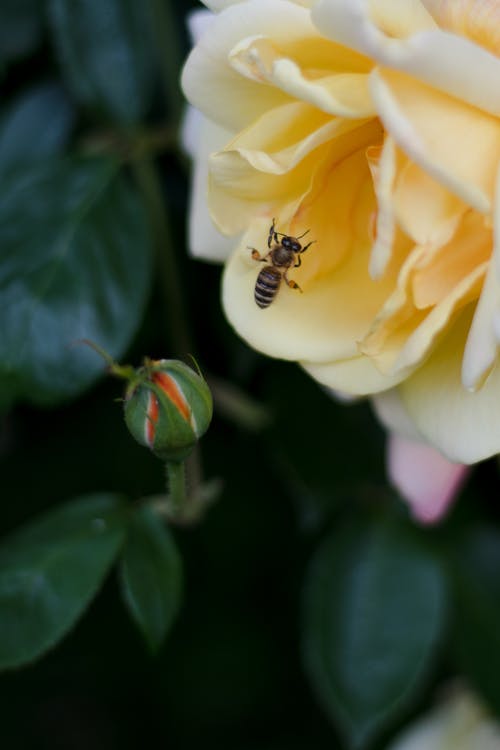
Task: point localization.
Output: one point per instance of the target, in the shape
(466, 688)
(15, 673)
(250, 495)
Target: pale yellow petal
(482, 345)
(391, 411)
(464, 426)
(218, 5)
(455, 144)
(397, 315)
(369, 25)
(400, 19)
(444, 265)
(481, 350)
(339, 203)
(478, 20)
(432, 286)
(403, 36)
(319, 324)
(336, 307)
(201, 137)
(278, 140)
(221, 93)
(427, 335)
(339, 93)
(425, 209)
(356, 376)
(250, 177)
(383, 171)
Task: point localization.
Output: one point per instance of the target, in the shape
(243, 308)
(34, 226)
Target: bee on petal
(283, 254)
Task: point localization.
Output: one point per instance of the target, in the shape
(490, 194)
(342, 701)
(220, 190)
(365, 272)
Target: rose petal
(424, 478)
(356, 376)
(425, 209)
(222, 93)
(403, 35)
(250, 175)
(371, 26)
(384, 174)
(481, 350)
(427, 334)
(478, 20)
(327, 320)
(452, 142)
(401, 335)
(218, 5)
(463, 426)
(391, 411)
(200, 137)
(338, 93)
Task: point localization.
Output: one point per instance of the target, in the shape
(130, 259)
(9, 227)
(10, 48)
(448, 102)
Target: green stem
(175, 313)
(176, 482)
(185, 505)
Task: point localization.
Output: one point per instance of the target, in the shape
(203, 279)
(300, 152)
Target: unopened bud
(168, 407)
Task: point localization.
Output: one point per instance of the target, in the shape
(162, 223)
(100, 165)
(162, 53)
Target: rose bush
(374, 124)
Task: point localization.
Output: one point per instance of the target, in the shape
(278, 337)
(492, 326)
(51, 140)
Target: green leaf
(475, 641)
(75, 264)
(374, 611)
(20, 27)
(37, 124)
(151, 576)
(50, 571)
(107, 54)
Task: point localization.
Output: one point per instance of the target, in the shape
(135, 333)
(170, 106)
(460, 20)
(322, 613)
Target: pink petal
(425, 478)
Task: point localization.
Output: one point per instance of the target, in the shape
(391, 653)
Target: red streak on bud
(151, 418)
(170, 387)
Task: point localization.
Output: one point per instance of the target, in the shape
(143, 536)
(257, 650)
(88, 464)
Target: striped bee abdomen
(267, 285)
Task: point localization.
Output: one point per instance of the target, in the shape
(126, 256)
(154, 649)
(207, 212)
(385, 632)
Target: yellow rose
(374, 125)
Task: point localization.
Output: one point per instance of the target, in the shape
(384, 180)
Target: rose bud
(168, 407)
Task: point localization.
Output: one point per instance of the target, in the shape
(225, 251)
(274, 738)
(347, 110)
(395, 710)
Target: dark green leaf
(318, 425)
(106, 52)
(151, 576)
(36, 125)
(374, 611)
(20, 27)
(475, 572)
(75, 264)
(50, 571)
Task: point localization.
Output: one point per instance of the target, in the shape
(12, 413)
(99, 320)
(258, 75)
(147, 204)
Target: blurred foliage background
(92, 234)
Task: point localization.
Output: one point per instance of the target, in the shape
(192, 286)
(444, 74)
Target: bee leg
(256, 255)
(291, 283)
(308, 245)
(272, 234)
(299, 262)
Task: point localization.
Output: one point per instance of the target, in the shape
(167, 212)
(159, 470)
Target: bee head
(290, 243)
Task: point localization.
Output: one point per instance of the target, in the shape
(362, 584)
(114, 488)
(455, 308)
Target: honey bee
(283, 254)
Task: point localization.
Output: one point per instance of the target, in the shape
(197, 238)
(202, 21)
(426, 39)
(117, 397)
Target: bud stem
(176, 483)
(183, 507)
